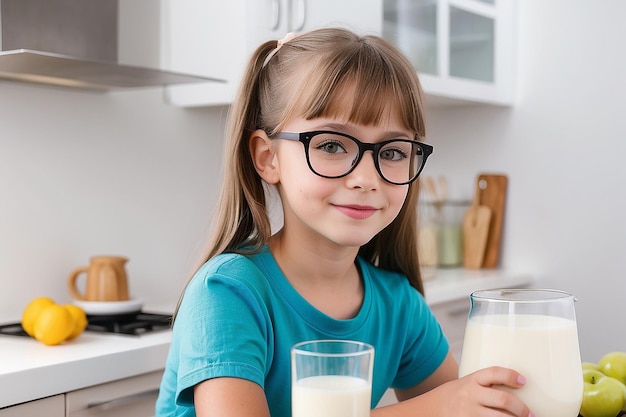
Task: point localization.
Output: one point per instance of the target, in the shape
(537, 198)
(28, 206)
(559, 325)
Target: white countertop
(442, 285)
(30, 370)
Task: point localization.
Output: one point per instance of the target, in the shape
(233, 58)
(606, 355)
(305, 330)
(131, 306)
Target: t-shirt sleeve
(221, 329)
(425, 347)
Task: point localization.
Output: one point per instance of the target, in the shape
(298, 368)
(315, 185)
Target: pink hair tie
(289, 36)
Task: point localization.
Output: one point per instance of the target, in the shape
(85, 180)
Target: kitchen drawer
(452, 316)
(50, 407)
(129, 397)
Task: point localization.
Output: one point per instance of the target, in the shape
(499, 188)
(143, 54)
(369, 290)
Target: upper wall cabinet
(462, 49)
(216, 38)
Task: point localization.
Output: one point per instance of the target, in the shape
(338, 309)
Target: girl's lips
(357, 212)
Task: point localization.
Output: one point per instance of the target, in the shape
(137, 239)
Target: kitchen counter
(443, 285)
(30, 370)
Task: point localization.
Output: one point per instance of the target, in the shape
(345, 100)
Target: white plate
(110, 307)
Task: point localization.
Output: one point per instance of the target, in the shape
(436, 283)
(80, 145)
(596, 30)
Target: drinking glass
(331, 378)
(534, 332)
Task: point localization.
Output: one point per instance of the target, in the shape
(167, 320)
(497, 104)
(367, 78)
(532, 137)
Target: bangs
(361, 83)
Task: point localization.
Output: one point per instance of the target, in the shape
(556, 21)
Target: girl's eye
(393, 154)
(331, 146)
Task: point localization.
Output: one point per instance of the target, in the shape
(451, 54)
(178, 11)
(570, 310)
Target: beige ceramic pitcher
(106, 280)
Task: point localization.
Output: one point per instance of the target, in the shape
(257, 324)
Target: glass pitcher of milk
(534, 332)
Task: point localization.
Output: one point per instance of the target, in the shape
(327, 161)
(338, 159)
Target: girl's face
(346, 211)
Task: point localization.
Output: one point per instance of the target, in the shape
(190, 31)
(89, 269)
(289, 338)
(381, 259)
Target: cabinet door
(412, 26)
(361, 16)
(463, 49)
(452, 317)
(130, 397)
(211, 38)
(216, 38)
(49, 407)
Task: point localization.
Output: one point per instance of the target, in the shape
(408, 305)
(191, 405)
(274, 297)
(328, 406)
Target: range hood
(71, 43)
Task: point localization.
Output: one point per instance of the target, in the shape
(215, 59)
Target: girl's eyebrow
(340, 127)
(349, 129)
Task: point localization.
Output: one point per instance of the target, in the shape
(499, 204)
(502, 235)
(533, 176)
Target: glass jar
(440, 241)
(450, 234)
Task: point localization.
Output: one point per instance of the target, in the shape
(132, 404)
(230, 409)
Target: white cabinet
(452, 316)
(50, 407)
(216, 38)
(129, 397)
(462, 49)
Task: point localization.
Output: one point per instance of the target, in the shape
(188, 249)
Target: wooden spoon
(475, 232)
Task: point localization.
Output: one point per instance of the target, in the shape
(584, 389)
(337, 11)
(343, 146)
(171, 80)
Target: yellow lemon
(31, 312)
(80, 320)
(54, 324)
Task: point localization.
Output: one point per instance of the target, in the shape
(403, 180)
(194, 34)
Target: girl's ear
(263, 156)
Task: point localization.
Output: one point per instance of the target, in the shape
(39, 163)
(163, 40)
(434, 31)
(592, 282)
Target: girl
(333, 122)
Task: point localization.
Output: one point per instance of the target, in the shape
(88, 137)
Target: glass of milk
(534, 332)
(331, 378)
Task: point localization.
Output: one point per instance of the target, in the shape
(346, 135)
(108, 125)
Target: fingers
(503, 400)
(496, 375)
(496, 396)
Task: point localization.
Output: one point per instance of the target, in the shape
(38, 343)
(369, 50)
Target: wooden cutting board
(476, 222)
(492, 193)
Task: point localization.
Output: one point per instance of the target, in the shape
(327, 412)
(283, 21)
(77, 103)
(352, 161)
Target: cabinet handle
(300, 15)
(275, 17)
(116, 402)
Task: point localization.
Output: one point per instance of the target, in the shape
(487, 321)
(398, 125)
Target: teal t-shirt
(239, 317)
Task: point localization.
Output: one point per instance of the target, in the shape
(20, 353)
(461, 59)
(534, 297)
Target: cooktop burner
(133, 324)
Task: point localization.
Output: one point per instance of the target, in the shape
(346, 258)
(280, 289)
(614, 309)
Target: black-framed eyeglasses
(334, 155)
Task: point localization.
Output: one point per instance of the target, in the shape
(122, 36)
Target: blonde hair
(317, 74)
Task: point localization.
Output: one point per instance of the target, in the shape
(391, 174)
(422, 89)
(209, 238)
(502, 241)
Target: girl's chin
(351, 241)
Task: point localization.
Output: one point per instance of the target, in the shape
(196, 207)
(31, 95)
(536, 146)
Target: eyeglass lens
(334, 155)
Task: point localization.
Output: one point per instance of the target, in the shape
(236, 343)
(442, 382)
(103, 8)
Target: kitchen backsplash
(115, 174)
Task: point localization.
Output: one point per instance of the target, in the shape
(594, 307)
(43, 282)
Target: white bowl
(110, 307)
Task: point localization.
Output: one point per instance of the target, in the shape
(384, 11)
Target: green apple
(614, 364)
(603, 395)
(590, 365)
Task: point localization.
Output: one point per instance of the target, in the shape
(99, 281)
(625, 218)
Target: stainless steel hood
(69, 71)
(71, 43)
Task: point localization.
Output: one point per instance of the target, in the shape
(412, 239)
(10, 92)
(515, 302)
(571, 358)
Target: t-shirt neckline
(309, 313)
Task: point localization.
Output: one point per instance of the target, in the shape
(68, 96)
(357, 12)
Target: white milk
(542, 348)
(331, 396)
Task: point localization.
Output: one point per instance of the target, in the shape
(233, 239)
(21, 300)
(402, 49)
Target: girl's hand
(481, 394)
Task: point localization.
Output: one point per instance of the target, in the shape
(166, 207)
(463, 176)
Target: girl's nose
(365, 174)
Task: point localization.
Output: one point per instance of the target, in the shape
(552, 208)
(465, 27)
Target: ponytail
(241, 212)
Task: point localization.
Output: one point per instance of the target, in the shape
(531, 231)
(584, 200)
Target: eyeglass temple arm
(286, 135)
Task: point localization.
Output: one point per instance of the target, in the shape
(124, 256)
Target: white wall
(122, 173)
(83, 174)
(563, 146)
